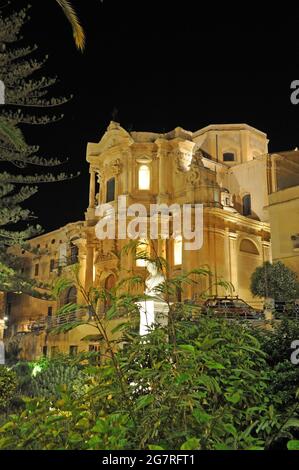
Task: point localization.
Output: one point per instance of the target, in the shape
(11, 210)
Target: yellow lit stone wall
(284, 216)
(184, 168)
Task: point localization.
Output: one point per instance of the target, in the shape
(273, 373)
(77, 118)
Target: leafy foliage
(71, 15)
(275, 280)
(209, 390)
(57, 378)
(8, 385)
(193, 382)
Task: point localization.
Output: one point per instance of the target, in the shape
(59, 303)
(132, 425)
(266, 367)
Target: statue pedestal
(151, 312)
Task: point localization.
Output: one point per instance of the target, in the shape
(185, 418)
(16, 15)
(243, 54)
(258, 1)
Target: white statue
(154, 280)
(2, 353)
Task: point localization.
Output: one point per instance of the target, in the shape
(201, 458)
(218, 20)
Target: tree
(22, 91)
(275, 281)
(71, 15)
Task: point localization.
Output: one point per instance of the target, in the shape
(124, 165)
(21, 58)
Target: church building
(226, 168)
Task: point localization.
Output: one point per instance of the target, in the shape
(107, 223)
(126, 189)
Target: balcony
(67, 261)
(49, 323)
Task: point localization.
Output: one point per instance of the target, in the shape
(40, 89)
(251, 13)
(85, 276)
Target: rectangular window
(52, 265)
(95, 358)
(228, 157)
(50, 311)
(110, 196)
(178, 251)
(247, 205)
(73, 350)
(144, 177)
(36, 269)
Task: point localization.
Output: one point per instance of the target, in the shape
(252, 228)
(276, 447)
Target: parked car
(231, 307)
(288, 309)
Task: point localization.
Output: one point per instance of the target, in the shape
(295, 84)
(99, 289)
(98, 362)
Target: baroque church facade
(226, 168)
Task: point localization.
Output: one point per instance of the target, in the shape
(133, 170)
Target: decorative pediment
(115, 136)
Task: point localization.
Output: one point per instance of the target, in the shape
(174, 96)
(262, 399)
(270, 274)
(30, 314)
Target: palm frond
(71, 15)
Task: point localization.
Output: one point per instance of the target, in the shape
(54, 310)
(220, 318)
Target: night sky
(158, 65)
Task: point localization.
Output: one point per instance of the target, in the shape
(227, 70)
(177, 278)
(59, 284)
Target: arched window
(247, 246)
(110, 194)
(144, 177)
(228, 157)
(246, 201)
(178, 251)
(71, 296)
(109, 285)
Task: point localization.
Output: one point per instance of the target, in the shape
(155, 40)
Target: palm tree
(71, 15)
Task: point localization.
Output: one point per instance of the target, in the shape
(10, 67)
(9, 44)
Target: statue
(154, 280)
(155, 310)
(2, 353)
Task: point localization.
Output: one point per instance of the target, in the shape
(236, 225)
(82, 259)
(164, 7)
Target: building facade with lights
(224, 167)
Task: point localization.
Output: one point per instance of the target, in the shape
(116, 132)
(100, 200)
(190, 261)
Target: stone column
(89, 267)
(266, 247)
(162, 248)
(125, 174)
(92, 189)
(163, 170)
(233, 260)
(90, 213)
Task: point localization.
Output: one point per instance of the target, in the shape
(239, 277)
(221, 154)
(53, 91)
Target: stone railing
(49, 323)
(62, 263)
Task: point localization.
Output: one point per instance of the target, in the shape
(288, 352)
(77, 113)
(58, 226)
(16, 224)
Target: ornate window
(178, 251)
(246, 201)
(110, 194)
(228, 157)
(144, 177)
(226, 198)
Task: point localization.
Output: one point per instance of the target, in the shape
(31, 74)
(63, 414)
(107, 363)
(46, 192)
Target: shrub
(208, 387)
(274, 280)
(58, 378)
(8, 386)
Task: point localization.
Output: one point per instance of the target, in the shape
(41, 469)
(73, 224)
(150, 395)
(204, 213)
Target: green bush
(208, 389)
(8, 386)
(58, 378)
(208, 384)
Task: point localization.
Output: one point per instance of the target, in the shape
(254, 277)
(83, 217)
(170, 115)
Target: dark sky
(162, 64)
